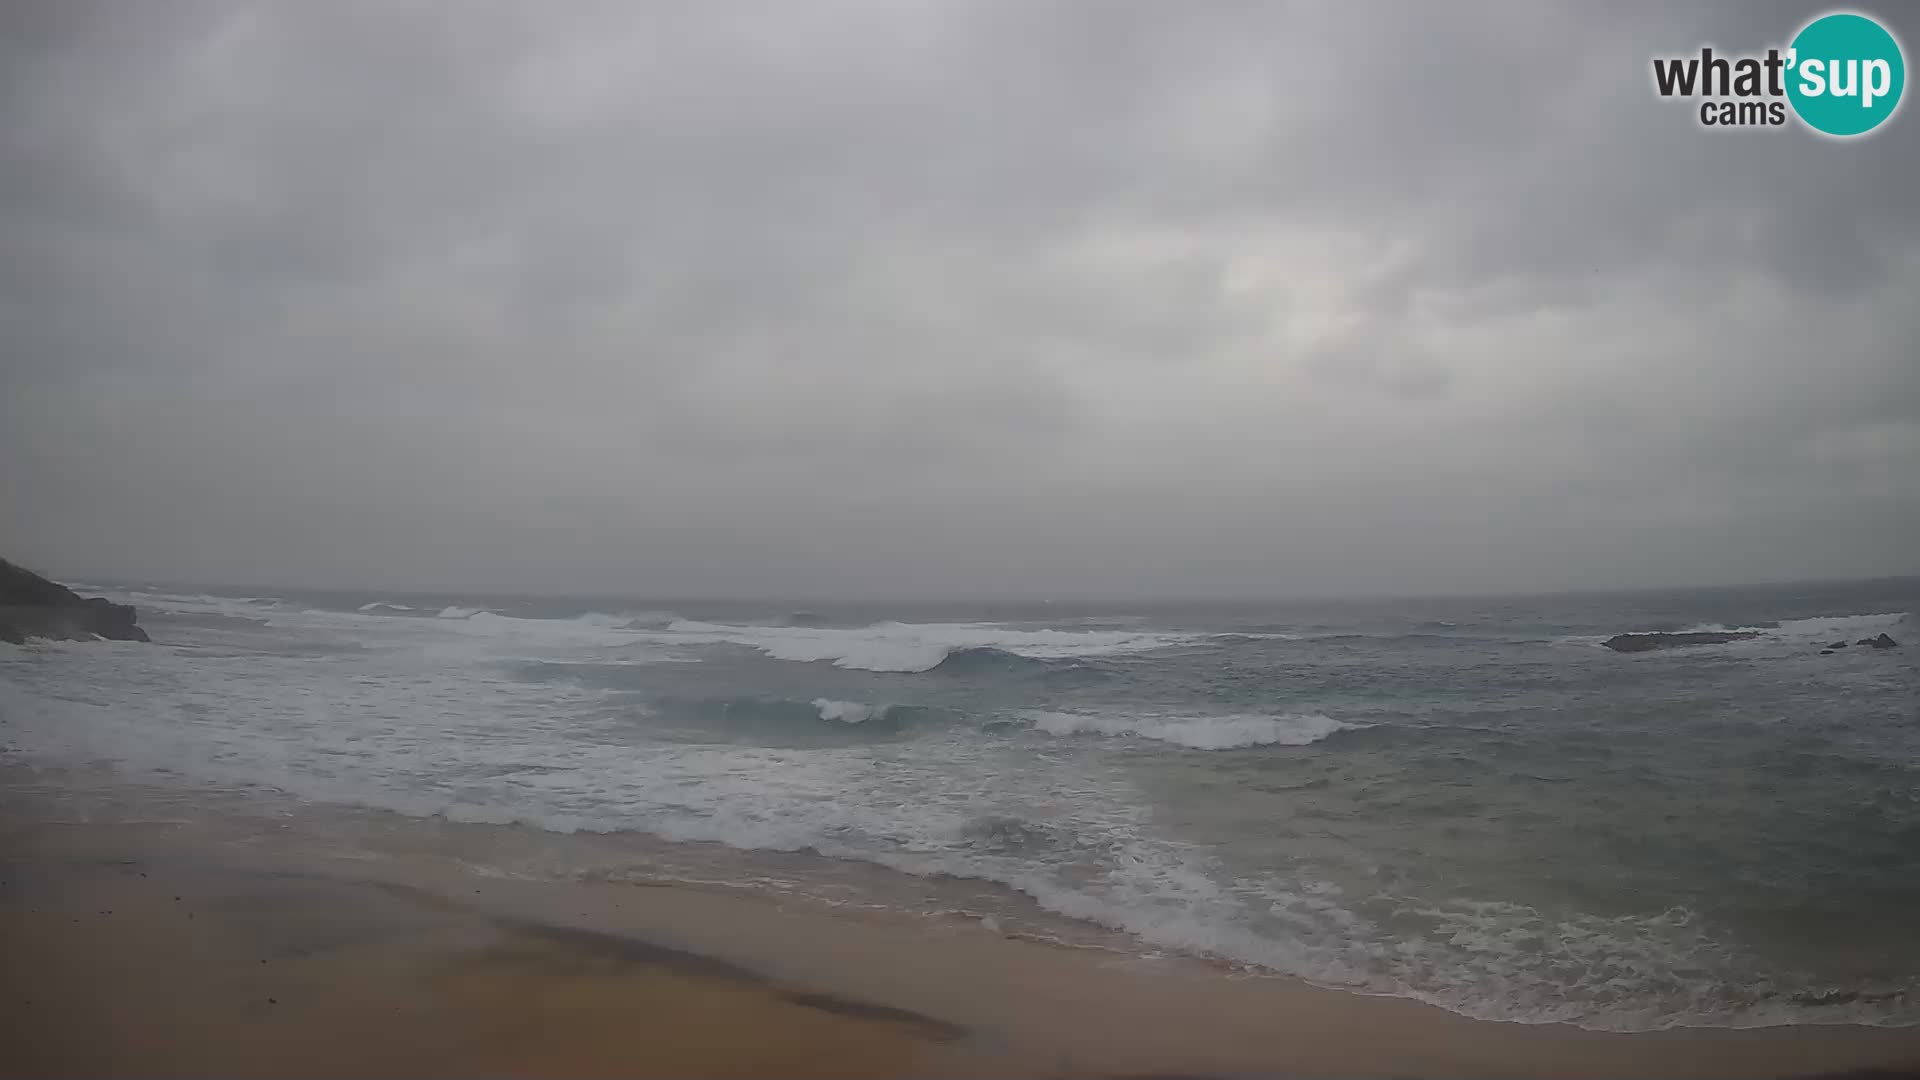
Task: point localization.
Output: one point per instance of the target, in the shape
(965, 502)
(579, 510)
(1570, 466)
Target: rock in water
(32, 606)
(1650, 642)
(1836, 644)
(1881, 642)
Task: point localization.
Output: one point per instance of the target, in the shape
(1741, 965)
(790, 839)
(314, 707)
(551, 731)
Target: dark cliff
(32, 606)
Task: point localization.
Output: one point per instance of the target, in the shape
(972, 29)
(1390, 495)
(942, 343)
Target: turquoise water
(1468, 801)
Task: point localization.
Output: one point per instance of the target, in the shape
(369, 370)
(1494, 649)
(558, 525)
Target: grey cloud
(939, 297)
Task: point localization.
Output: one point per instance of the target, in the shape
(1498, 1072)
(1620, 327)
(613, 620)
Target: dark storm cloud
(885, 298)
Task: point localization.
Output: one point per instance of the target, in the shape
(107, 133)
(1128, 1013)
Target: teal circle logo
(1845, 75)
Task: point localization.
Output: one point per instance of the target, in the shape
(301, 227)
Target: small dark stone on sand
(273, 1001)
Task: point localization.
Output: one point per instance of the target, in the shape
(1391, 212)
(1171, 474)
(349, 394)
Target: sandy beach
(163, 950)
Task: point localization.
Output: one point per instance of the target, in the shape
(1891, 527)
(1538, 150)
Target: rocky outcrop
(1881, 642)
(1650, 642)
(32, 606)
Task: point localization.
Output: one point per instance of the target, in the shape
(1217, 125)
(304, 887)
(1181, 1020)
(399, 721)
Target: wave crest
(847, 712)
(917, 647)
(1818, 627)
(779, 717)
(1226, 732)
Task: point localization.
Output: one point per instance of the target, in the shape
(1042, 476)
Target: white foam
(1227, 732)
(847, 712)
(1817, 628)
(886, 646)
(628, 620)
(911, 647)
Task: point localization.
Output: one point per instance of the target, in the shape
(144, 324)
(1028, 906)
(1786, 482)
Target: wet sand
(156, 950)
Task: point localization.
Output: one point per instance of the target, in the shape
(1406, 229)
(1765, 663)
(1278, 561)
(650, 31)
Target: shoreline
(275, 963)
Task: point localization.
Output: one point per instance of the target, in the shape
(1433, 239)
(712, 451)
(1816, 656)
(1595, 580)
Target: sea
(1470, 802)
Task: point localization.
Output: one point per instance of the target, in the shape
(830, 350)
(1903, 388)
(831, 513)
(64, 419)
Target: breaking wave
(1819, 627)
(1231, 732)
(1816, 629)
(917, 647)
(792, 716)
(847, 712)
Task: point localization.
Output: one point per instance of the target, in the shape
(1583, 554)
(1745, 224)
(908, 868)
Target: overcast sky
(997, 298)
